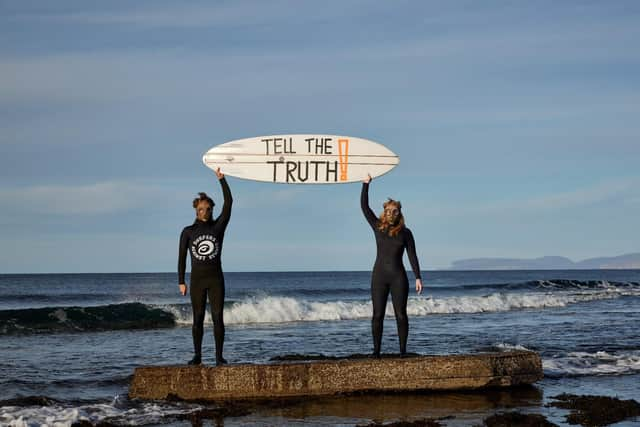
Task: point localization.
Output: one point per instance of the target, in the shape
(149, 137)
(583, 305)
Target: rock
(416, 423)
(596, 410)
(343, 376)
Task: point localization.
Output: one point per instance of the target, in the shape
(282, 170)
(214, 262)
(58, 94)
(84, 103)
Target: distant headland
(627, 261)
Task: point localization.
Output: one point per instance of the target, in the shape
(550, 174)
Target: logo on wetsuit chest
(205, 247)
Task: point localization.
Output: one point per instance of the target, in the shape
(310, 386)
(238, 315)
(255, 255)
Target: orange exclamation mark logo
(343, 151)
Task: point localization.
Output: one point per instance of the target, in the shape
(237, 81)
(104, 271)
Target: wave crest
(273, 309)
(79, 319)
(598, 363)
(281, 309)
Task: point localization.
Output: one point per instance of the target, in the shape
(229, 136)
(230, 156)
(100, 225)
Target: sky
(517, 125)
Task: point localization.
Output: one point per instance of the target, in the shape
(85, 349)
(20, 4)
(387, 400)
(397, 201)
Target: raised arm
(225, 215)
(364, 205)
(411, 252)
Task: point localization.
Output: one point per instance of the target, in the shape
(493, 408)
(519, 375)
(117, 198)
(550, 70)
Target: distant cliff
(547, 263)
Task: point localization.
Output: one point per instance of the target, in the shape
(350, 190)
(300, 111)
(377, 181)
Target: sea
(69, 343)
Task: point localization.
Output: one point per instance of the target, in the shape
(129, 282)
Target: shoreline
(522, 406)
(451, 409)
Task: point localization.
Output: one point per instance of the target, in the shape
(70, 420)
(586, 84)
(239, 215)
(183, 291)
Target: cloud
(604, 193)
(269, 198)
(193, 15)
(533, 109)
(113, 73)
(116, 197)
(101, 198)
(88, 253)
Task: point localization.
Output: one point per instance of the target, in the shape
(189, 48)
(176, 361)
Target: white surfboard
(302, 159)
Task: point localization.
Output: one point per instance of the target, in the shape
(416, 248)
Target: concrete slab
(328, 377)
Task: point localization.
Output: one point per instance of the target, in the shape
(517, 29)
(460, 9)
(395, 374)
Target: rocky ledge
(341, 376)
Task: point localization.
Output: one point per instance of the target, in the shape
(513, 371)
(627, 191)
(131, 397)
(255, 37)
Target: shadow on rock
(416, 423)
(508, 419)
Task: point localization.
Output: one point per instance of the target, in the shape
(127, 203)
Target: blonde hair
(384, 225)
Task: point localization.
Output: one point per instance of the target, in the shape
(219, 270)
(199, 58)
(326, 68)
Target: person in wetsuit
(389, 275)
(203, 240)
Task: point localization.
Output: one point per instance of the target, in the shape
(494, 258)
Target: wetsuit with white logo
(389, 275)
(203, 241)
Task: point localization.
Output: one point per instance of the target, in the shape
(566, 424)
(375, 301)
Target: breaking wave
(39, 410)
(80, 319)
(280, 309)
(599, 363)
(272, 309)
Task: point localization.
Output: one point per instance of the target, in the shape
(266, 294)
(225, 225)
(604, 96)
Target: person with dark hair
(203, 240)
(389, 275)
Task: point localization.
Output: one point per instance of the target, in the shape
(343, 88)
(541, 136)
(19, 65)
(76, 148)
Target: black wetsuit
(203, 241)
(389, 275)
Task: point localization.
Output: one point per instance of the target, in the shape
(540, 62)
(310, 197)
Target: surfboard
(302, 159)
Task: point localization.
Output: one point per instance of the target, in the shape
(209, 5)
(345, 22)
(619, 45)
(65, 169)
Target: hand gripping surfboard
(302, 159)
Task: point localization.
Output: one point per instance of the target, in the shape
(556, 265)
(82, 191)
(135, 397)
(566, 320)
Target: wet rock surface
(216, 414)
(85, 423)
(416, 423)
(29, 401)
(508, 419)
(592, 411)
(309, 357)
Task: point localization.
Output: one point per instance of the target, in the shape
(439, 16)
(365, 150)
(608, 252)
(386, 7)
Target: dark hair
(203, 198)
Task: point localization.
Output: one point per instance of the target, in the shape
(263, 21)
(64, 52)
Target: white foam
(599, 363)
(510, 347)
(286, 309)
(60, 416)
(39, 416)
(181, 313)
(272, 309)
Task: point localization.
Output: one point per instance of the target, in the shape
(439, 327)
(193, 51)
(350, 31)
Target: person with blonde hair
(392, 238)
